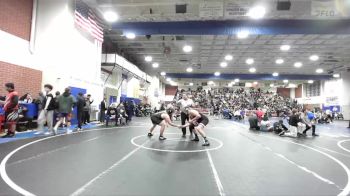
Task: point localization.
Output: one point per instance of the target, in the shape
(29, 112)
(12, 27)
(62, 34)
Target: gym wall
(16, 16)
(15, 24)
(26, 80)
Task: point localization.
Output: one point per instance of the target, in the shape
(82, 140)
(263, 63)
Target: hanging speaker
(283, 5)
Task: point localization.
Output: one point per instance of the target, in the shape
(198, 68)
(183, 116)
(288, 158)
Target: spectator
(103, 108)
(66, 102)
(278, 127)
(87, 109)
(47, 114)
(11, 110)
(253, 121)
(265, 124)
(27, 98)
(80, 110)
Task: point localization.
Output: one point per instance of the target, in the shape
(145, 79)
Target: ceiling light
(274, 74)
(285, 81)
(257, 12)
(162, 73)
(168, 79)
(110, 16)
(314, 57)
(336, 75)
(272, 85)
(223, 64)
(228, 57)
(249, 61)
(252, 70)
(310, 81)
(210, 82)
(285, 47)
(217, 73)
(191, 84)
(148, 58)
(187, 48)
(155, 65)
(242, 34)
(319, 70)
(255, 83)
(298, 64)
(130, 35)
(279, 61)
(189, 69)
(236, 80)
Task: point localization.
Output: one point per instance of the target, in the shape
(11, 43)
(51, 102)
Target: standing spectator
(55, 114)
(184, 103)
(11, 109)
(87, 109)
(103, 108)
(66, 103)
(80, 110)
(46, 114)
(40, 101)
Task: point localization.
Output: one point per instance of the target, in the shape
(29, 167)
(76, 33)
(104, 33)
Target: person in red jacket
(11, 109)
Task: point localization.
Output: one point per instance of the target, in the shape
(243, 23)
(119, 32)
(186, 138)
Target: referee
(183, 103)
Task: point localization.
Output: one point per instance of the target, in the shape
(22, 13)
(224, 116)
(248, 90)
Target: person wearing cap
(11, 109)
(161, 119)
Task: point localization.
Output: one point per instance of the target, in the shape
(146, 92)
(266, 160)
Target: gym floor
(123, 161)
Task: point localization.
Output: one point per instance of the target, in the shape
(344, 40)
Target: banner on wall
(324, 9)
(234, 9)
(211, 9)
(124, 86)
(334, 100)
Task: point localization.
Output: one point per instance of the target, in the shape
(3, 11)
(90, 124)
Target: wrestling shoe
(183, 136)
(149, 134)
(195, 139)
(162, 138)
(282, 133)
(206, 143)
(315, 135)
(9, 135)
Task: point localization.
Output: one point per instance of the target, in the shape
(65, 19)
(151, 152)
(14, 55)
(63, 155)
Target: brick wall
(298, 91)
(16, 16)
(170, 90)
(26, 80)
(285, 92)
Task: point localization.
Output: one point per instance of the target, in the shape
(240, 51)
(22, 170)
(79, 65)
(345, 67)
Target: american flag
(86, 19)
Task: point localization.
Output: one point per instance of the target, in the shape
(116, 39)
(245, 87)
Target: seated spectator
(237, 115)
(27, 98)
(278, 127)
(253, 122)
(265, 124)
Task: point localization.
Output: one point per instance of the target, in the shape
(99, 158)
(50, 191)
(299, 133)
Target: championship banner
(324, 9)
(211, 9)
